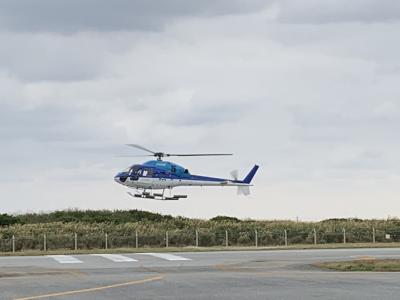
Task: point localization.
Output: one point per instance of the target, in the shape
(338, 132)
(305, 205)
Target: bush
(6, 220)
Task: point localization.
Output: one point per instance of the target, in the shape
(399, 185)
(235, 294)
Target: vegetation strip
(196, 249)
(367, 265)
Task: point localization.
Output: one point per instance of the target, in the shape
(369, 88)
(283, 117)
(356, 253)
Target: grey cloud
(210, 114)
(34, 50)
(339, 126)
(38, 140)
(364, 160)
(334, 11)
(189, 88)
(48, 123)
(43, 57)
(102, 15)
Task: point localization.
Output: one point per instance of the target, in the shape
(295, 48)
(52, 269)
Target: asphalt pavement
(279, 274)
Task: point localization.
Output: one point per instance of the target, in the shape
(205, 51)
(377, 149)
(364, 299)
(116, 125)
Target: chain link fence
(194, 238)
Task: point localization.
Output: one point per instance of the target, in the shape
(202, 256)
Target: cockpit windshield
(132, 169)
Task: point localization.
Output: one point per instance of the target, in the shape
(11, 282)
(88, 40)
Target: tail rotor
(241, 190)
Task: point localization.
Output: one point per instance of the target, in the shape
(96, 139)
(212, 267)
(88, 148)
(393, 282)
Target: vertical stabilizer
(251, 174)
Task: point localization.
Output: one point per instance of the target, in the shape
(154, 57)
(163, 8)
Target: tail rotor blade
(243, 190)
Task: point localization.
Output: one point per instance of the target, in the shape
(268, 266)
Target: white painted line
(167, 256)
(116, 257)
(65, 259)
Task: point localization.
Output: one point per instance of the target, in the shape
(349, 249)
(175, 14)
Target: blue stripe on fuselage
(210, 179)
(191, 177)
(198, 178)
(205, 178)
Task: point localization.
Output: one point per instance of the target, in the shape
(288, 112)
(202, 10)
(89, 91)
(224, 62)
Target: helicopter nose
(120, 177)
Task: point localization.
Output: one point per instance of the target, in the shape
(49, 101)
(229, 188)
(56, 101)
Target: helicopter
(161, 175)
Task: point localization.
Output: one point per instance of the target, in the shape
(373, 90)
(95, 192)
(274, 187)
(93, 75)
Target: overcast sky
(309, 90)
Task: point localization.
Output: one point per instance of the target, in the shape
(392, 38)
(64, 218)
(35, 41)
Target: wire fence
(194, 238)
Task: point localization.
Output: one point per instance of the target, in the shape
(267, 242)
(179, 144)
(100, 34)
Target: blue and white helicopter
(162, 175)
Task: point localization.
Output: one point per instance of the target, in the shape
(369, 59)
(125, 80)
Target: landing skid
(156, 196)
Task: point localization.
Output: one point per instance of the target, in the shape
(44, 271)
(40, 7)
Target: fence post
(13, 244)
(136, 239)
(166, 239)
(197, 238)
(256, 234)
(106, 241)
(226, 238)
(344, 236)
(75, 241)
(44, 243)
(373, 235)
(286, 238)
(315, 236)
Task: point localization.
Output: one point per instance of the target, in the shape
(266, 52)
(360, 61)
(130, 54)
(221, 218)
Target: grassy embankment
(121, 226)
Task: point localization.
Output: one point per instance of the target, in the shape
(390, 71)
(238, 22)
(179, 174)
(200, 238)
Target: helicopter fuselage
(160, 175)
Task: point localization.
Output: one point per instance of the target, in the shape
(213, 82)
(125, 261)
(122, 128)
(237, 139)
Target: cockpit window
(135, 170)
(132, 170)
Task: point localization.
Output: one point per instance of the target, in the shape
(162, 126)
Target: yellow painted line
(95, 289)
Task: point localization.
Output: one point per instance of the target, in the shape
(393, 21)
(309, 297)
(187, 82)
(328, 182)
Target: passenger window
(147, 172)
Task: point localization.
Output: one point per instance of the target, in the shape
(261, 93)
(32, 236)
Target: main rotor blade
(143, 155)
(201, 154)
(162, 154)
(140, 147)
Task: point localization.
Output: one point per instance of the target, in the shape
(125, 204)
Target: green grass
(202, 249)
(363, 265)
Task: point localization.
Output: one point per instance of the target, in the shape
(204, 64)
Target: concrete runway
(284, 274)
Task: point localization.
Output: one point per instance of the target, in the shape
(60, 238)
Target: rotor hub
(159, 155)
